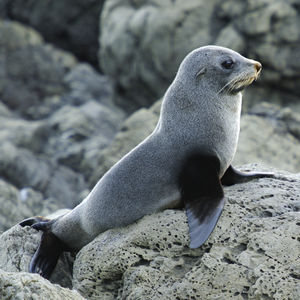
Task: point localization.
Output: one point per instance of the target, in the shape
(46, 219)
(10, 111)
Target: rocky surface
(55, 115)
(61, 130)
(253, 252)
(71, 25)
(21, 286)
(142, 43)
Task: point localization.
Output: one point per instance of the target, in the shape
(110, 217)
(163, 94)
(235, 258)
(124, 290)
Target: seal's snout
(257, 66)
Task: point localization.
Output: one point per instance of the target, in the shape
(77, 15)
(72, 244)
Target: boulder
(270, 135)
(142, 44)
(17, 247)
(21, 286)
(253, 252)
(24, 169)
(70, 25)
(31, 72)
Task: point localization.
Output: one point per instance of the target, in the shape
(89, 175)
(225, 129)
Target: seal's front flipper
(233, 176)
(203, 196)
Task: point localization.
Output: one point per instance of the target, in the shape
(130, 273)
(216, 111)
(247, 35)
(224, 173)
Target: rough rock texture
(252, 254)
(55, 115)
(31, 71)
(269, 135)
(20, 286)
(17, 205)
(37, 79)
(71, 25)
(24, 169)
(17, 246)
(142, 43)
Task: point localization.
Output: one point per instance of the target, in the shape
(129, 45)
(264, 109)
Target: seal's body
(182, 161)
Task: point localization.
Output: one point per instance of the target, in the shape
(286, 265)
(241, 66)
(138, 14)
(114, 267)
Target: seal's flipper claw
(233, 176)
(203, 196)
(46, 256)
(33, 220)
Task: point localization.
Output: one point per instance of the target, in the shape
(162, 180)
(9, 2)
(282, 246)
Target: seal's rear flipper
(233, 176)
(50, 248)
(203, 196)
(32, 220)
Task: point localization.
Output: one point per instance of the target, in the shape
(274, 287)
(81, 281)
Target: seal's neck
(182, 108)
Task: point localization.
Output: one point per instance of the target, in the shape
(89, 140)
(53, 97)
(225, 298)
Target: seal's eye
(228, 64)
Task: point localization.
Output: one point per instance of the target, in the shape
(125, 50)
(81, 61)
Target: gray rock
(31, 72)
(20, 286)
(270, 135)
(17, 131)
(23, 169)
(143, 43)
(253, 252)
(73, 135)
(17, 247)
(71, 25)
(85, 84)
(13, 208)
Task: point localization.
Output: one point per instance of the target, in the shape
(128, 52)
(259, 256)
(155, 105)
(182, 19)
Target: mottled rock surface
(70, 24)
(31, 72)
(253, 252)
(270, 135)
(20, 286)
(17, 246)
(142, 43)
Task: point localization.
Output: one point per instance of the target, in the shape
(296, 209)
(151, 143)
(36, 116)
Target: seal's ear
(201, 72)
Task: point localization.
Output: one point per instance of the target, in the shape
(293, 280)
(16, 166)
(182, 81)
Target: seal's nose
(257, 66)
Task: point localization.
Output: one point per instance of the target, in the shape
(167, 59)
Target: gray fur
(198, 113)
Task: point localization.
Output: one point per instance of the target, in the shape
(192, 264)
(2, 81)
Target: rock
(21, 286)
(253, 252)
(74, 135)
(17, 247)
(31, 72)
(24, 169)
(71, 25)
(142, 44)
(85, 84)
(17, 131)
(270, 135)
(13, 209)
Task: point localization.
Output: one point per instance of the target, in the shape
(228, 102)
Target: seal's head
(220, 69)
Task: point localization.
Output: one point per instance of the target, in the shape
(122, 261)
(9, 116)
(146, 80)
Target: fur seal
(185, 160)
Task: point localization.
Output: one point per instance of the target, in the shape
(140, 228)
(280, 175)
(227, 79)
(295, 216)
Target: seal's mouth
(238, 83)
